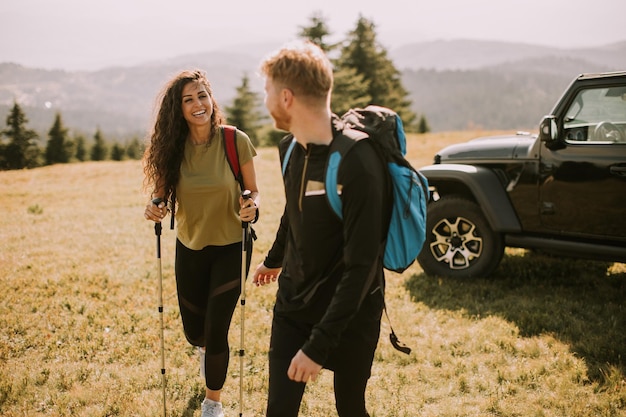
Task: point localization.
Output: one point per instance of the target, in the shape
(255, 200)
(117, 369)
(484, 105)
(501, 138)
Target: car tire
(459, 241)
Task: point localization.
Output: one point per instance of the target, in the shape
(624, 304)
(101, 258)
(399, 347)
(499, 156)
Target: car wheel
(459, 242)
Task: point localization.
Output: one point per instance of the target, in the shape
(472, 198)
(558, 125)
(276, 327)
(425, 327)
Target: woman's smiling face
(197, 105)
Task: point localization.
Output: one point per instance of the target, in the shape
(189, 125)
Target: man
(329, 300)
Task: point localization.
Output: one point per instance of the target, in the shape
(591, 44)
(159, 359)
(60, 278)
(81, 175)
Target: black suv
(561, 192)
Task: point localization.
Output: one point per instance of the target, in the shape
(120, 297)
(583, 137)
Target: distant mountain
(489, 99)
(456, 84)
(470, 54)
(465, 84)
(118, 100)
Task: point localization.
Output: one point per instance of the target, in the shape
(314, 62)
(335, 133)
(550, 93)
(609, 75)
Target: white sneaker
(211, 408)
(201, 351)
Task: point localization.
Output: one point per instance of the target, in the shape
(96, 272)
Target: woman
(185, 163)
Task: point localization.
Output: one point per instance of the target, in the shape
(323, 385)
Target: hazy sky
(87, 34)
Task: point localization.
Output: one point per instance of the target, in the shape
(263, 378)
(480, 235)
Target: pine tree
(348, 91)
(245, 111)
(348, 87)
(317, 31)
(134, 149)
(422, 125)
(117, 152)
(81, 148)
(99, 150)
(22, 150)
(381, 80)
(59, 148)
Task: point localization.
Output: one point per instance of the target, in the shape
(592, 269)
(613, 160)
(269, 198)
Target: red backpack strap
(232, 155)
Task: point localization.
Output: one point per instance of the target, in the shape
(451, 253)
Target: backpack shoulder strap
(229, 133)
(339, 147)
(292, 145)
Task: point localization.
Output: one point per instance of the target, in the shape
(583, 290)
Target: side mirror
(548, 131)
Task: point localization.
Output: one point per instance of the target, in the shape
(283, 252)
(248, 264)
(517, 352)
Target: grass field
(79, 326)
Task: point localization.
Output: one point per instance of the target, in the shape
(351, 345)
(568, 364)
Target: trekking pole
(244, 272)
(157, 232)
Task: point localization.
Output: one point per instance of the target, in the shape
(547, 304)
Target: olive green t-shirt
(208, 194)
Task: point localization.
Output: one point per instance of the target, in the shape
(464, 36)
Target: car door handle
(618, 170)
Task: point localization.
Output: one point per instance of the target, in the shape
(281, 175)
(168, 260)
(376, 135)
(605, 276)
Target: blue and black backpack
(383, 127)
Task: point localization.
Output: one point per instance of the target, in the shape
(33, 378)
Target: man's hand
(302, 368)
(264, 275)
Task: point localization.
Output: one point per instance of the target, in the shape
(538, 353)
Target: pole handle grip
(157, 225)
(245, 194)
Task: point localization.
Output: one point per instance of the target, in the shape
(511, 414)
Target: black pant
(351, 361)
(208, 282)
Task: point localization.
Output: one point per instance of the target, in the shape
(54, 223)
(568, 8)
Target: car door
(582, 188)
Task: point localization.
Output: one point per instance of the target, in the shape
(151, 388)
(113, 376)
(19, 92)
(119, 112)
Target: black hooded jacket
(328, 265)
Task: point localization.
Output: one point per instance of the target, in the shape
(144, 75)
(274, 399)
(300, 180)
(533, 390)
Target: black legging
(208, 282)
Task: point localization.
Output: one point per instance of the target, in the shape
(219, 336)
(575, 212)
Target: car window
(597, 115)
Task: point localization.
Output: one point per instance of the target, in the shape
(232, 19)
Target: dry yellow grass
(79, 325)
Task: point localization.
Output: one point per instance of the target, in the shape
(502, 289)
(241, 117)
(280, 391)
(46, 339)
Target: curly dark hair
(166, 143)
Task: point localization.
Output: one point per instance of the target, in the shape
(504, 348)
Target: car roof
(595, 75)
